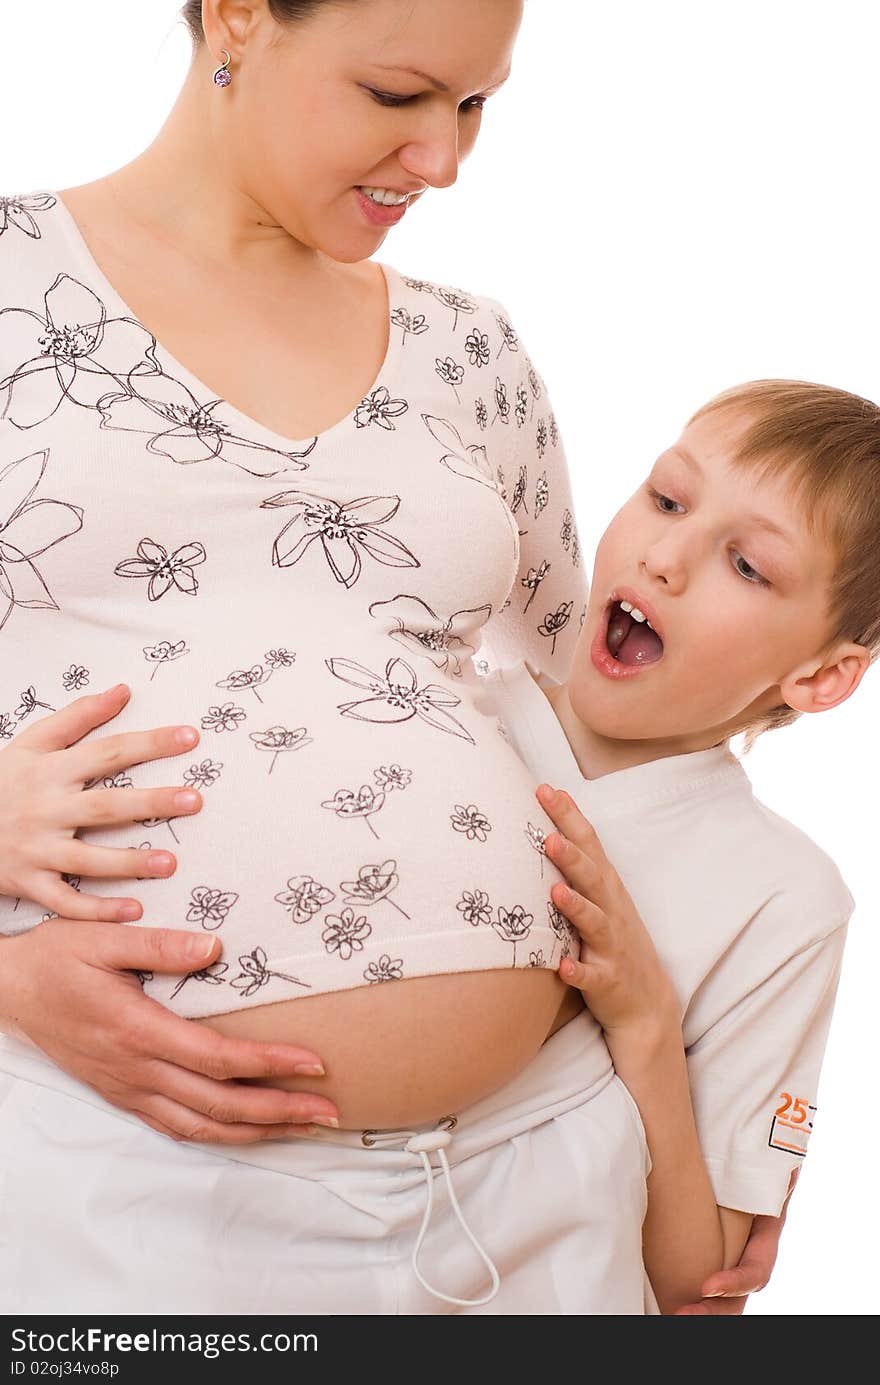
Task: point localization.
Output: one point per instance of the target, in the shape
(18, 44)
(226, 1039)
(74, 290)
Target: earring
(222, 77)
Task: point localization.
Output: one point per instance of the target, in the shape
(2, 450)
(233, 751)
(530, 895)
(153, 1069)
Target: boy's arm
(685, 1235)
(725, 1293)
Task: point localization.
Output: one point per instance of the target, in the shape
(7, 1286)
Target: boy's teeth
(634, 612)
(384, 197)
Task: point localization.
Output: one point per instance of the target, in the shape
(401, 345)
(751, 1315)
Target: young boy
(736, 589)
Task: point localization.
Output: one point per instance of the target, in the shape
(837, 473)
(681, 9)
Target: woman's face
(318, 109)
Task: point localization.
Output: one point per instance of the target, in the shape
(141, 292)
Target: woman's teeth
(385, 197)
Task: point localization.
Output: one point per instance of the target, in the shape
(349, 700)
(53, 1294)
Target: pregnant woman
(287, 493)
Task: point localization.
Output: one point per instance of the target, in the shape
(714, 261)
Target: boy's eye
(387, 98)
(750, 573)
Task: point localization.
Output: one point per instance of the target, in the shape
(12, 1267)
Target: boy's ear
(827, 680)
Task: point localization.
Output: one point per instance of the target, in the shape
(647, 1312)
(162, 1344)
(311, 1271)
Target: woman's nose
(435, 157)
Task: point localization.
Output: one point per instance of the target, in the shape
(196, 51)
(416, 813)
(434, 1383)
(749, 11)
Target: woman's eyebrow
(426, 76)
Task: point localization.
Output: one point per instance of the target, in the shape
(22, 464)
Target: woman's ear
(828, 680)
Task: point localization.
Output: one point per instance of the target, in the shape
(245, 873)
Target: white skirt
(530, 1201)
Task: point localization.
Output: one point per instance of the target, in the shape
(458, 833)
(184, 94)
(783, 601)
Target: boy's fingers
(712, 1308)
(589, 920)
(568, 817)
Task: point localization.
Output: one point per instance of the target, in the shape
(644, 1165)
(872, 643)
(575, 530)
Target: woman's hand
(68, 987)
(619, 973)
(43, 802)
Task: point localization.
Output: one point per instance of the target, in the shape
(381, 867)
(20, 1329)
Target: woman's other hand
(69, 987)
(43, 801)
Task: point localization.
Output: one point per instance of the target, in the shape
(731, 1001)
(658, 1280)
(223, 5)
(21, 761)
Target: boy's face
(689, 549)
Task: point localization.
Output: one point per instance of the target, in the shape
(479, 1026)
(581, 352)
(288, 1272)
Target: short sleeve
(542, 616)
(754, 1077)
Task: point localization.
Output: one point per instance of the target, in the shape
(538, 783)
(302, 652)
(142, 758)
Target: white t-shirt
(311, 605)
(747, 914)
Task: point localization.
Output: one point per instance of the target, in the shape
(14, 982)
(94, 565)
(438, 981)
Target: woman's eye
(387, 98)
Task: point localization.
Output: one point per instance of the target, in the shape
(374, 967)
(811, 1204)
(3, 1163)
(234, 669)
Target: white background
(669, 199)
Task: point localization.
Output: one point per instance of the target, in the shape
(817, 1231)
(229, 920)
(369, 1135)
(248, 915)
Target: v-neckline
(198, 387)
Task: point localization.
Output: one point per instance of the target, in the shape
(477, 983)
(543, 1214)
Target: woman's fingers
(180, 1124)
(208, 1102)
(103, 757)
(109, 807)
(58, 730)
(46, 888)
(712, 1308)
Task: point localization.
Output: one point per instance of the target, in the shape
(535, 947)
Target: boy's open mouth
(629, 640)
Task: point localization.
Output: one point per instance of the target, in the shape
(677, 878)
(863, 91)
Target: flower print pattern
(119, 780)
(476, 348)
(554, 431)
(555, 621)
(214, 975)
(279, 658)
(164, 653)
(29, 527)
(397, 697)
(72, 351)
(210, 907)
(163, 571)
(278, 740)
(185, 431)
(536, 838)
(76, 677)
(533, 580)
(424, 632)
(475, 907)
(583, 616)
(385, 969)
(411, 324)
(390, 777)
(562, 930)
(225, 718)
(204, 775)
(566, 530)
(536, 959)
(519, 491)
(542, 493)
(374, 883)
(450, 372)
(345, 528)
(345, 803)
(471, 821)
(29, 702)
(255, 974)
(509, 338)
(481, 413)
(345, 933)
(16, 213)
(457, 301)
(541, 437)
(304, 897)
(378, 407)
(513, 925)
(502, 403)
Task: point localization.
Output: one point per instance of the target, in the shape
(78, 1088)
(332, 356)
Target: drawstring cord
(424, 1145)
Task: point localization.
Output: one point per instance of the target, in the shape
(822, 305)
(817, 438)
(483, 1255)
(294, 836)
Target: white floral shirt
(320, 608)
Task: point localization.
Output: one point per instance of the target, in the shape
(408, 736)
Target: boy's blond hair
(826, 444)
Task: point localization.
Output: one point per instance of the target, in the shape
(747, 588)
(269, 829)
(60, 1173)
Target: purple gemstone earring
(222, 77)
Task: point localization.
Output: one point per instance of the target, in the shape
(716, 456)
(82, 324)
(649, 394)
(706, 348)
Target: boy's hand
(620, 975)
(726, 1291)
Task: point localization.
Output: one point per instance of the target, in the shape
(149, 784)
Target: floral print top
(322, 609)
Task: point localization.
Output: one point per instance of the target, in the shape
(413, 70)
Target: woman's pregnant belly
(414, 1050)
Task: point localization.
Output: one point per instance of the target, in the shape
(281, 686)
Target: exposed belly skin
(412, 1051)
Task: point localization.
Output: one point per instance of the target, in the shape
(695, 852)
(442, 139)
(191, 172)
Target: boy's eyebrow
(426, 76)
(760, 521)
